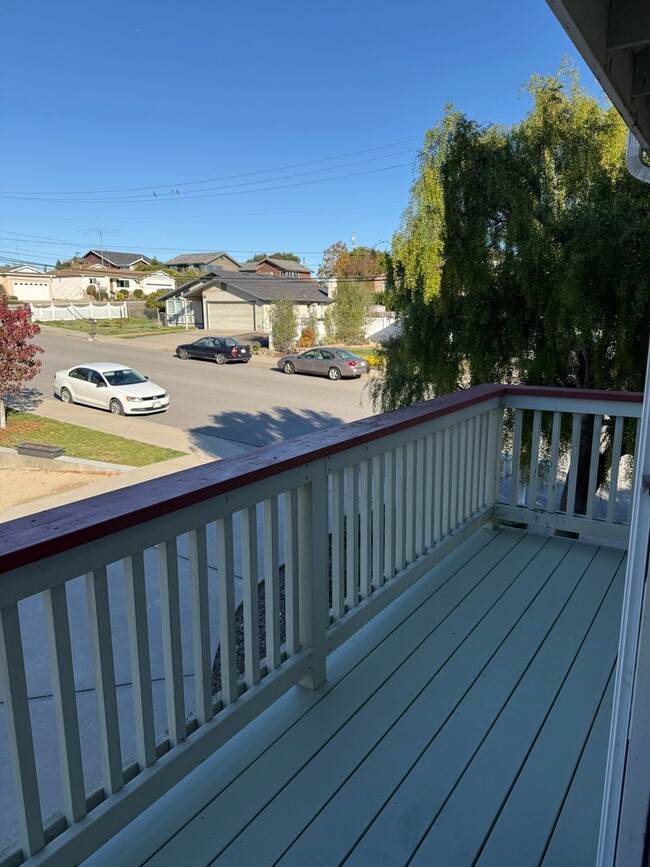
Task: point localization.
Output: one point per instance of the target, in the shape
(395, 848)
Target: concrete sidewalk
(143, 429)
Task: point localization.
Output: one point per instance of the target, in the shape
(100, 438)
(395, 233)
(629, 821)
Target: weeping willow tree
(523, 255)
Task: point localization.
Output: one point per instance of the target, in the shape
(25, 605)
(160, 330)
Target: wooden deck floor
(467, 725)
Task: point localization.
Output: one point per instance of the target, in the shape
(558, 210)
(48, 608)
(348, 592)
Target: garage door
(231, 317)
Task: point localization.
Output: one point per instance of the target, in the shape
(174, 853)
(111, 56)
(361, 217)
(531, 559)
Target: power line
(207, 193)
(151, 187)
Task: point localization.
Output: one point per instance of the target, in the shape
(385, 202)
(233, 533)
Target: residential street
(252, 404)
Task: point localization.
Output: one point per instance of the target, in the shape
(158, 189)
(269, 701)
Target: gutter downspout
(634, 160)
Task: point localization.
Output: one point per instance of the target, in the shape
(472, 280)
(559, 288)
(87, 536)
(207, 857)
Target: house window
(94, 281)
(123, 284)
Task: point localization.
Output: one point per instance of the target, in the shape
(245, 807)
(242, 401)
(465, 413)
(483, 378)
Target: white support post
(313, 579)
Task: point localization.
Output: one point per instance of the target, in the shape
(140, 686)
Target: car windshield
(344, 353)
(123, 376)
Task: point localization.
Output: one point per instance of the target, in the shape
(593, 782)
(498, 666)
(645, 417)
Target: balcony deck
(466, 724)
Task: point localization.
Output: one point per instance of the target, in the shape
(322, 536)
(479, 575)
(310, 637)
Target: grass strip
(81, 442)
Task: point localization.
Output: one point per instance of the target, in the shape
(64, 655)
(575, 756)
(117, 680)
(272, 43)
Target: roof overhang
(613, 37)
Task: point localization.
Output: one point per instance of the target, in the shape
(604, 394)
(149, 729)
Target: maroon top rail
(27, 540)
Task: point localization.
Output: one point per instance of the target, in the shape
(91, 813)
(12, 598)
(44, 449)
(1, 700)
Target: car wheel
(288, 367)
(116, 407)
(220, 358)
(66, 396)
(334, 373)
(184, 354)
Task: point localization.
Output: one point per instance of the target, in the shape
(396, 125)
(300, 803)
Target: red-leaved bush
(18, 357)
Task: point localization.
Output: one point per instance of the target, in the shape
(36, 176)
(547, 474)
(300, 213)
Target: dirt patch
(25, 484)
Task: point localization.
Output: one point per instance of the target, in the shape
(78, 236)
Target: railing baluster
(534, 458)
(438, 479)
(555, 450)
(389, 524)
(291, 571)
(420, 505)
(400, 508)
(226, 597)
(19, 731)
(201, 624)
(170, 613)
(378, 523)
(250, 581)
(429, 491)
(573, 466)
(593, 466)
(455, 465)
(446, 482)
(99, 620)
(365, 524)
(516, 457)
(617, 447)
(57, 627)
(461, 511)
(352, 536)
(338, 546)
(136, 611)
(271, 584)
(409, 522)
(476, 463)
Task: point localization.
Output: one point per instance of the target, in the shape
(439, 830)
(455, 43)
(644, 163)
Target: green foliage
(259, 257)
(523, 255)
(138, 294)
(349, 311)
(153, 302)
(122, 294)
(284, 324)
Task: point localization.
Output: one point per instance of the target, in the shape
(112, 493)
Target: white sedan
(111, 386)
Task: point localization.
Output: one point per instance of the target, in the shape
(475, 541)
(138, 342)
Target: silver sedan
(330, 361)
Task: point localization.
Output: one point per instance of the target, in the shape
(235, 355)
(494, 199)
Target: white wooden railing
(275, 558)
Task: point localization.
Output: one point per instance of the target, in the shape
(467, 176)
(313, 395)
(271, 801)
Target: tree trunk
(3, 414)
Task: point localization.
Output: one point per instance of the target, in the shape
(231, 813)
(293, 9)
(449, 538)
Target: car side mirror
(146, 377)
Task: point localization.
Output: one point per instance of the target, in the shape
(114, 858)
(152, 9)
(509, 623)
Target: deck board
(467, 725)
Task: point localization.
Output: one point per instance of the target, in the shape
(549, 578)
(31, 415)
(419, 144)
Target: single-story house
(71, 284)
(115, 259)
(231, 303)
(203, 262)
(26, 283)
(277, 268)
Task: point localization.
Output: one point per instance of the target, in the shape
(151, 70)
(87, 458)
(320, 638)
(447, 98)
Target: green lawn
(119, 327)
(80, 442)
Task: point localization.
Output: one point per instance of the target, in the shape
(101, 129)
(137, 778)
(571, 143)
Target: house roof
(264, 289)
(199, 258)
(117, 258)
(282, 264)
(93, 271)
(23, 269)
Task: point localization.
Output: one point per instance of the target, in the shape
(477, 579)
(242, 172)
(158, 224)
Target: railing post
(313, 559)
(493, 468)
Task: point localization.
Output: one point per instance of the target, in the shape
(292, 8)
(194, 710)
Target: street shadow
(262, 428)
(25, 400)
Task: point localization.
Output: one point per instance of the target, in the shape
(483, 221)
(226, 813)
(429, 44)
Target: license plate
(156, 404)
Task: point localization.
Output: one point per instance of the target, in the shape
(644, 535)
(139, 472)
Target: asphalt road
(253, 404)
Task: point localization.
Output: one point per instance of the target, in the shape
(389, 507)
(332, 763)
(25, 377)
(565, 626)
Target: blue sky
(242, 108)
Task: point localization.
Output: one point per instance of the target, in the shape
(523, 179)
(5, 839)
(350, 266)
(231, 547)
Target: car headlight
(132, 399)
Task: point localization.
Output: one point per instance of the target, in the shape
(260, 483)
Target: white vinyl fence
(68, 312)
